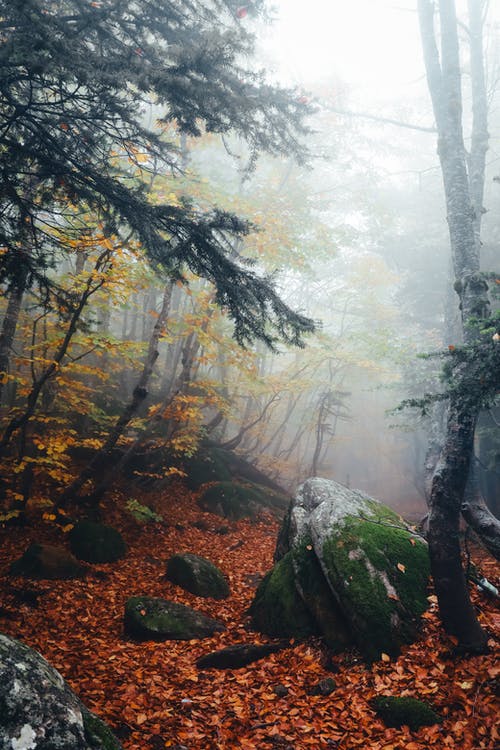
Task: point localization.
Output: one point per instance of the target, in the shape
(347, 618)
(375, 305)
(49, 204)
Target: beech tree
(463, 179)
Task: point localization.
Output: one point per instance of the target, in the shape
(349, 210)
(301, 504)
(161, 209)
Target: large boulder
(359, 570)
(197, 575)
(96, 542)
(151, 618)
(47, 561)
(38, 709)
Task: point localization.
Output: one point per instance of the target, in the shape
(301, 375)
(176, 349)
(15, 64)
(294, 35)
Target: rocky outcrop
(197, 575)
(47, 561)
(96, 542)
(351, 565)
(233, 500)
(150, 618)
(38, 709)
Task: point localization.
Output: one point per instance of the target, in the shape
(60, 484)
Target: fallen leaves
(154, 696)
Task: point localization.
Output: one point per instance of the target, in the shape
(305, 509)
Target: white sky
(372, 44)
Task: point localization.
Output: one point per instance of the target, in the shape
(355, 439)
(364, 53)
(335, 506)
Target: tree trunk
(9, 326)
(448, 486)
(139, 394)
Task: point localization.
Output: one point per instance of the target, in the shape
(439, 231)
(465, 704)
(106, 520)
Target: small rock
(323, 687)
(280, 690)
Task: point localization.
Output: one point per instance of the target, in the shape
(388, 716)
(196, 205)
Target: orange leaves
(154, 691)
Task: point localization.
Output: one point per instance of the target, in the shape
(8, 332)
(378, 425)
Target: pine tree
(77, 81)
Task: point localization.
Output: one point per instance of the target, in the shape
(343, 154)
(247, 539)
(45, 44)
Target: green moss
(318, 597)
(396, 712)
(96, 543)
(208, 465)
(231, 500)
(97, 734)
(277, 608)
(150, 618)
(382, 622)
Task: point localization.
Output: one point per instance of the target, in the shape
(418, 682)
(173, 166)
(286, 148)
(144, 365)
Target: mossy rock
(380, 575)
(150, 618)
(39, 710)
(197, 575)
(361, 573)
(317, 597)
(405, 711)
(277, 608)
(234, 501)
(231, 500)
(96, 542)
(209, 464)
(47, 561)
(97, 733)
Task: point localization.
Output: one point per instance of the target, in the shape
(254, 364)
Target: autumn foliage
(153, 695)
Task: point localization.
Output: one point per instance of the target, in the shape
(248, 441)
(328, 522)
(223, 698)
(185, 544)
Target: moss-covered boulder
(278, 609)
(234, 500)
(96, 543)
(47, 561)
(359, 570)
(197, 575)
(209, 464)
(39, 710)
(150, 618)
(405, 711)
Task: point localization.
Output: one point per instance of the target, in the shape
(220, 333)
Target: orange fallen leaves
(154, 696)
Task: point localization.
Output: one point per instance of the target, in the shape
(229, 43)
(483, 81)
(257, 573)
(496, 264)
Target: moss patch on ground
(405, 711)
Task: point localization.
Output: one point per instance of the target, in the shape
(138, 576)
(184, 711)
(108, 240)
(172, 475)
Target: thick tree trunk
(456, 610)
(449, 482)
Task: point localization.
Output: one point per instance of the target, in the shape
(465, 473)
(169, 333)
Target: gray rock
(38, 709)
(197, 575)
(150, 618)
(358, 568)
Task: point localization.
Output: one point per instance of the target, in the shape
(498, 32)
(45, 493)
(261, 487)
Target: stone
(197, 575)
(96, 543)
(235, 500)
(38, 709)
(152, 618)
(405, 711)
(239, 655)
(359, 570)
(47, 561)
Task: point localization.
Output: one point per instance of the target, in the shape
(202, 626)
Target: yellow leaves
(385, 657)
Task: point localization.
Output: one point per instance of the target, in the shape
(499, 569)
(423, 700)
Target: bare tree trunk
(139, 394)
(8, 332)
(448, 486)
(21, 421)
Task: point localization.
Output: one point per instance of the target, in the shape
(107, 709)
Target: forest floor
(154, 697)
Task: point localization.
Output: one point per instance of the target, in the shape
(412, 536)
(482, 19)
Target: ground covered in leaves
(153, 695)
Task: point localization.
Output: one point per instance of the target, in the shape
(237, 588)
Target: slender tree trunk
(139, 394)
(21, 421)
(8, 332)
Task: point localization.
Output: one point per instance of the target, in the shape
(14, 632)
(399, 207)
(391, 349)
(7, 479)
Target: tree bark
(449, 482)
(138, 395)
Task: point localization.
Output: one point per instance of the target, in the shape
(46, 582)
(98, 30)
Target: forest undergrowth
(153, 695)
